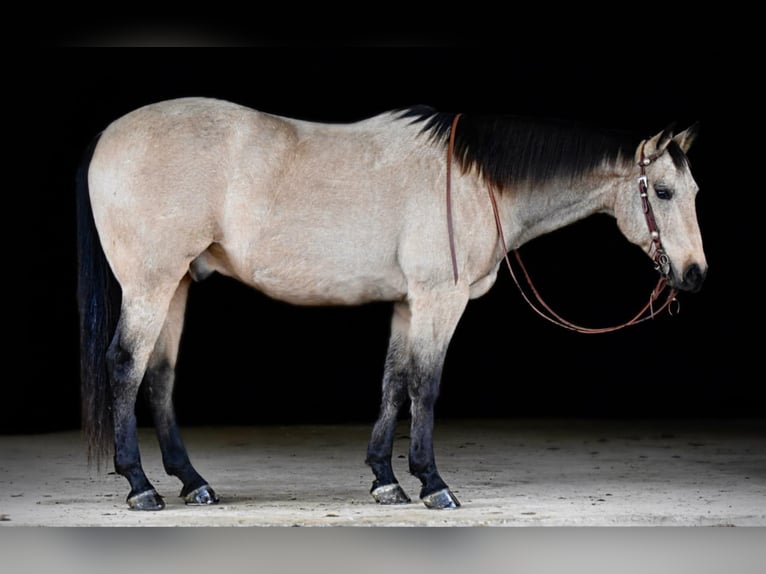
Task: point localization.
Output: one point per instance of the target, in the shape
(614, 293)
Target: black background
(246, 359)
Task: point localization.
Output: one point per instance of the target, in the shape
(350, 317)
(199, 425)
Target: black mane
(508, 150)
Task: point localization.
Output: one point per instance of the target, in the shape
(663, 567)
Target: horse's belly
(307, 280)
(324, 289)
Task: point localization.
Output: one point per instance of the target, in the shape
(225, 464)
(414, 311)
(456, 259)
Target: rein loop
(660, 258)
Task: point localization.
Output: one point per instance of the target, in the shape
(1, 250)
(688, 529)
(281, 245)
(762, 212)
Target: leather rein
(660, 258)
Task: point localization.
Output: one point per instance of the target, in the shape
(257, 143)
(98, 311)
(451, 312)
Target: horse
(315, 213)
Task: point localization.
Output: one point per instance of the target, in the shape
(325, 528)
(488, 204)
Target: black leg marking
(158, 385)
(127, 459)
(424, 390)
(420, 333)
(386, 488)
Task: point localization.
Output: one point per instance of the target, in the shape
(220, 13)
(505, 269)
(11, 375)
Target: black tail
(98, 297)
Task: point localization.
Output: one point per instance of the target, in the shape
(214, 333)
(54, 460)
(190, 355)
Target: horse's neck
(529, 212)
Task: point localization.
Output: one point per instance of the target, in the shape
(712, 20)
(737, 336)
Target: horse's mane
(508, 150)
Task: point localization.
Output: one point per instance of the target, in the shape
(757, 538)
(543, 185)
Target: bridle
(660, 258)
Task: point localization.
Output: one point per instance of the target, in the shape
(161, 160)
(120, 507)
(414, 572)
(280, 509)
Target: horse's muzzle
(692, 281)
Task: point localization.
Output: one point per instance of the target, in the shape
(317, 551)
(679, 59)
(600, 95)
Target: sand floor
(530, 472)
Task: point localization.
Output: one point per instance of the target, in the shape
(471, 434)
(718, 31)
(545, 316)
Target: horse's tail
(98, 297)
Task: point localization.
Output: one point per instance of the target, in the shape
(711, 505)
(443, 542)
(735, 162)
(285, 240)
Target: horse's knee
(423, 394)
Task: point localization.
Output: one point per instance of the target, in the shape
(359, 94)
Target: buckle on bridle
(662, 264)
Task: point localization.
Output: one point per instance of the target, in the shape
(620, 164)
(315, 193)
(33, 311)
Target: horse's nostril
(693, 278)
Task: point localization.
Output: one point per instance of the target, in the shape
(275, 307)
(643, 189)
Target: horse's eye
(663, 192)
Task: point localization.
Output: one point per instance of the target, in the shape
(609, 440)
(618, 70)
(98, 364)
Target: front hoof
(390, 494)
(202, 495)
(441, 500)
(147, 500)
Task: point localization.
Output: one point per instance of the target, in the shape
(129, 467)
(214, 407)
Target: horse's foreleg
(434, 318)
(158, 386)
(386, 488)
(424, 390)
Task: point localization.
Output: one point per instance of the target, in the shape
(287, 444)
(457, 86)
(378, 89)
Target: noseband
(660, 258)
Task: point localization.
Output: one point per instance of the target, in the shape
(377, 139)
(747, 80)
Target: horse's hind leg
(141, 320)
(158, 388)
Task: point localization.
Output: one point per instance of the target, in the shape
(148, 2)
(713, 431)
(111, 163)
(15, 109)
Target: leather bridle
(660, 258)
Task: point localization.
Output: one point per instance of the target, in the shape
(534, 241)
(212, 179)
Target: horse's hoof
(147, 500)
(390, 494)
(441, 499)
(202, 495)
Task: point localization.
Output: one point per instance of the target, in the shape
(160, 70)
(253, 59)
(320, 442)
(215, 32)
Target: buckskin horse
(337, 214)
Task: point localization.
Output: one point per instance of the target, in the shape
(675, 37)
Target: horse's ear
(686, 138)
(656, 145)
(663, 138)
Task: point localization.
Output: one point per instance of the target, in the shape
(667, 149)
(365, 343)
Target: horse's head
(664, 223)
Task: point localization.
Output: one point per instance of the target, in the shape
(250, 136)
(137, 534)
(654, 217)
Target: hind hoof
(390, 494)
(441, 500)
(202, 495)
(147, 500)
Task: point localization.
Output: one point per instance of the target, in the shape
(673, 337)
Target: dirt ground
(504, 472)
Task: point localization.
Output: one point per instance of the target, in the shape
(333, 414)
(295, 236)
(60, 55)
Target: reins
(662, 263)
